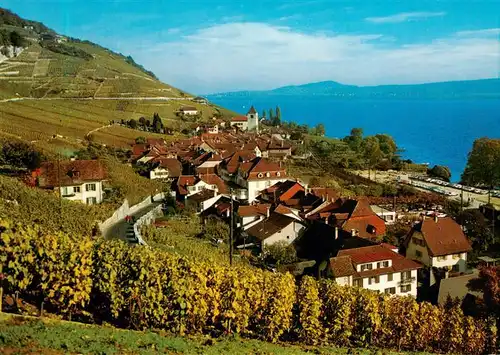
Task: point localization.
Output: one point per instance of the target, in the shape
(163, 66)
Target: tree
(280, 253)
(142, 121)
(157, 123)
(132, 123)
(355, 139)
(277, 118)
(271, 115)
(483, 164)
(16, 40)
(21, 155)
(372, 153)
(387, 145)
(488, 283)
(439, 171)
(264, 114)
(477, 229)
(319, 129)
(140, 140)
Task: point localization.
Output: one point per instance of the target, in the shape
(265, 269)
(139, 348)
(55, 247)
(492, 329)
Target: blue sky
(210, 46)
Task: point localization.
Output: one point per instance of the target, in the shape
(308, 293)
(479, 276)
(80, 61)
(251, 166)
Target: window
(405, 275)
(76, 189)
(405, 288)
(456, 256)
(278, 174)
(259, 175)
(390, 277)
(390, 291)
(64, 191)
(366, 267)
(268, 174)
(418, 254)
(441, 258)
(373, 280)
(418, 241)
(91, 200)
(382, 264)
(90, 187)
(357, 282)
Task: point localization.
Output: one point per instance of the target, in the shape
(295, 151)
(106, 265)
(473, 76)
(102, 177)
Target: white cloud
(484, 32)
(240, 56)
(404, 16)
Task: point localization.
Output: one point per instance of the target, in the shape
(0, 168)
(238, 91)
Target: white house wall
(287, 234)
(83, 194)
(396, 279)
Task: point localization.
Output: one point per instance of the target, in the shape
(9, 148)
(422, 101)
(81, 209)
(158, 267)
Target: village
(233, 173)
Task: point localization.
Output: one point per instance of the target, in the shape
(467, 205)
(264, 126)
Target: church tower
(253, 119)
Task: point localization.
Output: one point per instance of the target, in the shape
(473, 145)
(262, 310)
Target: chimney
(353, 232)
(336, 233)
(267, 211)
(435, 217)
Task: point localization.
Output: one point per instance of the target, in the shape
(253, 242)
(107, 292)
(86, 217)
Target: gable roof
(213, 179)
(270, 226)
(366, 226)
(173, 166)
(254, 210)
(341, 266)
(188, 108)
(183, 182)
(239, 119)
(443, 237)
(252, 110)
(203, 195)
(70, 172)
(375, 253)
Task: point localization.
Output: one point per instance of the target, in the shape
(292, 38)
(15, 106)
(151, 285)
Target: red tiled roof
(377, 253)
(71, 172)
(139, 149)
(254, 210)
(173, 166)
(283, 210)
(212, 179)
(389, 246)
(444, 237)
(188, 108)
(342, 266)
(183, 182)
(239, 119)
(367, 226)
(292, 191)
(262, 167)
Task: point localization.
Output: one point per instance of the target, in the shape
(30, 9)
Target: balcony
(406, 281)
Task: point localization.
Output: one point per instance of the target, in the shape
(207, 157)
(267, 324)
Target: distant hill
(54, 85)
(486, 88)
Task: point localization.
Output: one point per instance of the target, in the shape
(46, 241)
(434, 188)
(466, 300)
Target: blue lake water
(433, 131)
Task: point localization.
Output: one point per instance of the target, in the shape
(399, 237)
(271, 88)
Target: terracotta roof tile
(444, 237)
(254, 210)
(239, 119)
(71, 172)
(341, 266)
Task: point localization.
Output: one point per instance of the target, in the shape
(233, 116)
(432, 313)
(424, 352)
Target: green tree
(439, 171)
(371, 152)
(271, 115)
(355, 139)
(277, 118)
(142, 122)
(387, 145)
(21, 155)
(17, 40)
(157, 123)
(483, 165)
(132, 123)
(216, 230)
(264, 114)
(280, 253)
(319, 129)
(477, 229)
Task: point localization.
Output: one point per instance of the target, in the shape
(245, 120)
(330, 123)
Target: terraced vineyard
(54, 100)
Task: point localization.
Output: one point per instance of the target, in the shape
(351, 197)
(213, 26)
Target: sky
(209, 46)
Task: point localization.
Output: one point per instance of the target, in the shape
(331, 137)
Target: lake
(432, 131)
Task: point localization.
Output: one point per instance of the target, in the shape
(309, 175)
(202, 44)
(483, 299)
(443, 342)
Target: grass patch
(27, 335)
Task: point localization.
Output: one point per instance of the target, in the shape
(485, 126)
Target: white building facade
(90, 193)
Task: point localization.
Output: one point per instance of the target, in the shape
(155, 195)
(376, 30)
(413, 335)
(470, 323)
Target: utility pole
(231, 230)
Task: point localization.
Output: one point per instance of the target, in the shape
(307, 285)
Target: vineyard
(29, 206)
(144, 288)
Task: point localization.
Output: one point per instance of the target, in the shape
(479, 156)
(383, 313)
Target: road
(392, 176)
(152, 98)
(124, 230)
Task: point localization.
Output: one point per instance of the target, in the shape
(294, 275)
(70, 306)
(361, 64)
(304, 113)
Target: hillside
(64, 87)
(487, 88)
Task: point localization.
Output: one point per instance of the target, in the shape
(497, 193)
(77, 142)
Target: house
(188, 185)
(167, 168)
(75, 180)
(353, 216)
(388, 216)
(375, 268)
(212, 129)
(275, 228)
(188, 110)
(257, 175)
(248, 216)
(279, 149)
(203, 200)
(438, 243)
(250, 122)
(283, 191)
(201, 100)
